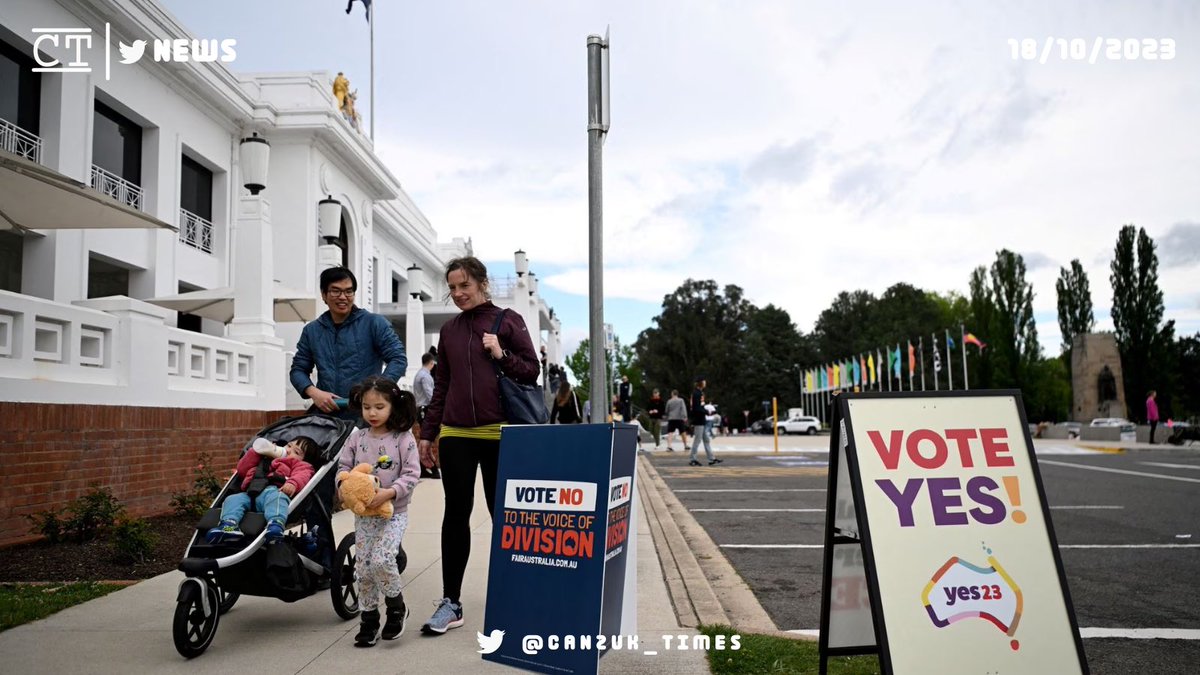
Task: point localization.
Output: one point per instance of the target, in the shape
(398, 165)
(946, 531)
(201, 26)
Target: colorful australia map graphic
(960, 591)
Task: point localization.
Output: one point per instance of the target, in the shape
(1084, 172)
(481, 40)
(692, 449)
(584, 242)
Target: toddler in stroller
(294, 565)
(270, 481)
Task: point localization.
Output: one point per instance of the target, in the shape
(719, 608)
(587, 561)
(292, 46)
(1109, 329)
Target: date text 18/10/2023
(1091, 50)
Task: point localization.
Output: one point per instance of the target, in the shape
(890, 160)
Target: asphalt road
(1127, 527)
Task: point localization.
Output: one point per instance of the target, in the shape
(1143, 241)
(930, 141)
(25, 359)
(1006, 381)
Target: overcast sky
(796, 149)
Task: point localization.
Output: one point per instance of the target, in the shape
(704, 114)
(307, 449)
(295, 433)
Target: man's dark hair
(426, 359)
(335, 274)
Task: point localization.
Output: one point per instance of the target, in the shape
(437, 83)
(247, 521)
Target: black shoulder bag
(522, 403)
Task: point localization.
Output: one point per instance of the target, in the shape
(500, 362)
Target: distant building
(122, 189)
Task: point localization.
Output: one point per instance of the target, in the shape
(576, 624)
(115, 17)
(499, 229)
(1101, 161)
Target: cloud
(866, 185)
(1035, 260)
(1002, 119)
(1180, 246)
(784, 163)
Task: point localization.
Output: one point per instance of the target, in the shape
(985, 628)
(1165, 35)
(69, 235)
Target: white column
(414, 335)
(328, 255)
(253, 275)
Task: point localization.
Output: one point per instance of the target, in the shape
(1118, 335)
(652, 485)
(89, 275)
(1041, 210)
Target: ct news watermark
(77, 43)
(533, 645)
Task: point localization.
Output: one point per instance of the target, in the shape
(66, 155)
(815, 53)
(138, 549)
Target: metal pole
(962, 335)
(599, 367)
(949, 362)
(371, 20)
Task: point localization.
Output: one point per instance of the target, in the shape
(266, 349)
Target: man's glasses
(340, 292)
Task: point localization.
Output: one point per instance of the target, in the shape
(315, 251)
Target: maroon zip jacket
(465, 392)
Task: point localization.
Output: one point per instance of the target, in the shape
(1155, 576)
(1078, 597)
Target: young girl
(387, 444)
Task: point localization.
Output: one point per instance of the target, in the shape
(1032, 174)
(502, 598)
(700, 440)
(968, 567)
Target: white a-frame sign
(939, 552)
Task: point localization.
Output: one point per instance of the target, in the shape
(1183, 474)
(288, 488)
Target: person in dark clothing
(465, 416)
(566, 405)
(625, 394)
(655, 408)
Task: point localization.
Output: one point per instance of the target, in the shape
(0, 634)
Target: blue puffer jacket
(346, 355)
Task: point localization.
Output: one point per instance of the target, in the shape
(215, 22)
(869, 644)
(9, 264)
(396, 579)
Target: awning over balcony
(217, 304)
(33, 197)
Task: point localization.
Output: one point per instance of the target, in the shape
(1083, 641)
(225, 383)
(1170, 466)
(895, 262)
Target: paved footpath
(129, 631)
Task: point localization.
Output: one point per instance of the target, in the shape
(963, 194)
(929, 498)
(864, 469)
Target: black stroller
(295, 567)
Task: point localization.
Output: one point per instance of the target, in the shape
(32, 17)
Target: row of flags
(882, 367)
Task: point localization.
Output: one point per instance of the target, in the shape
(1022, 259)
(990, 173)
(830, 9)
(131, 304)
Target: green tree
(846, 327)
(1137, 311)
(1014, 344)
(1187, 358)
(774, 354)
(1074, 303)
(983, 315)
(1047, 394)
(623, 359)
(700, 332)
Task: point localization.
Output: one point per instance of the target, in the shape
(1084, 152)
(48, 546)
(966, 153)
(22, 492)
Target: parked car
(800, 425)
(764, 426)
(1071, 427)
(1109, 422)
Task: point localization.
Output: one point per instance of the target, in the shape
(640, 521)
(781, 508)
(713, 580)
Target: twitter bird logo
(489, 643)
(131, 53)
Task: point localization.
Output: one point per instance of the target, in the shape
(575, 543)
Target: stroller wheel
(193, 629)
(227, 600)
(342, 586)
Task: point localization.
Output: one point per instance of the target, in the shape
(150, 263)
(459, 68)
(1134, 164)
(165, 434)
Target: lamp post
(329, 219)
(521, 262)
(254, 154)
(416, 279)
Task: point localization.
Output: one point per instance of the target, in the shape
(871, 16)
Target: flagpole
(933, 347)
(949, 362)
(962, 335)
(910, 367)
(371, 20)
(921, 351)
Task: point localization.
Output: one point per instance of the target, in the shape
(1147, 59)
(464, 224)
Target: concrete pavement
(130, 630)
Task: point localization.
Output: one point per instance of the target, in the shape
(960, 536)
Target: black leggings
(458, 458)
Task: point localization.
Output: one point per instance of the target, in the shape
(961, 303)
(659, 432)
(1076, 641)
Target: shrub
(133, 540)
(48, 524)
(80, 519)
(205, 487)
(95, 511)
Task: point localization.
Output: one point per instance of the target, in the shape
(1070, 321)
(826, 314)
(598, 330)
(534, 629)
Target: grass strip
(22, 603)
(760, 654)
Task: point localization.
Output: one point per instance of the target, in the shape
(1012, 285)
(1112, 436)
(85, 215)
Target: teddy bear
(357, 488)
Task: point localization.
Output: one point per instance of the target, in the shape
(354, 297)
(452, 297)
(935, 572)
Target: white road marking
(735, 490)
(1129, 545)
(759, 510)
(1063, 450)
(1183, 536)
(1194, 467)
(1121, 471)
(1127, 633)
(772, 546)
(1060, 546)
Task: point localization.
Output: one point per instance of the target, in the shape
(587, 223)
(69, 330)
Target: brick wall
(51, 454)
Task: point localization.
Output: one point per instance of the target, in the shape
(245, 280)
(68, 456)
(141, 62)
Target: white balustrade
(111, 185)
(195, 231)
(18, 141)
(119, 351)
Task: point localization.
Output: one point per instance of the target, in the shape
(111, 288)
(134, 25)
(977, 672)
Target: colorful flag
(912, 359)
(837, 374)
(937, 359)
(857, 374)
(871, 366)
(970, 339)
(896, 362)
(889, 359)
(949, 341)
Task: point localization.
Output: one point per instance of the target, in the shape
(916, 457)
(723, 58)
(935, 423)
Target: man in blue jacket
(346, 344)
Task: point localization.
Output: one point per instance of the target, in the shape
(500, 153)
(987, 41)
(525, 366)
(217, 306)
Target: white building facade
(122, 192)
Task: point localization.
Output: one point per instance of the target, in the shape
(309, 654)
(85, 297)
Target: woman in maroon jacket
(465, 413)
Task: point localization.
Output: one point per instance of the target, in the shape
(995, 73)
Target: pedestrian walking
(655, 409)
(698, 418)
(676, 419)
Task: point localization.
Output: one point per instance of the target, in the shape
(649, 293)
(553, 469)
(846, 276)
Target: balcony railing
(195, 231)
(112, 185)
(16, 140)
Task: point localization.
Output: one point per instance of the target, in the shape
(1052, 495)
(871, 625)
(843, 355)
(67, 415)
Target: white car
(1109, 422)
(799, 425)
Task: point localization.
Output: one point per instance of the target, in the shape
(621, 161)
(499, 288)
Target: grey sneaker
(449, 614)
(227, 530)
